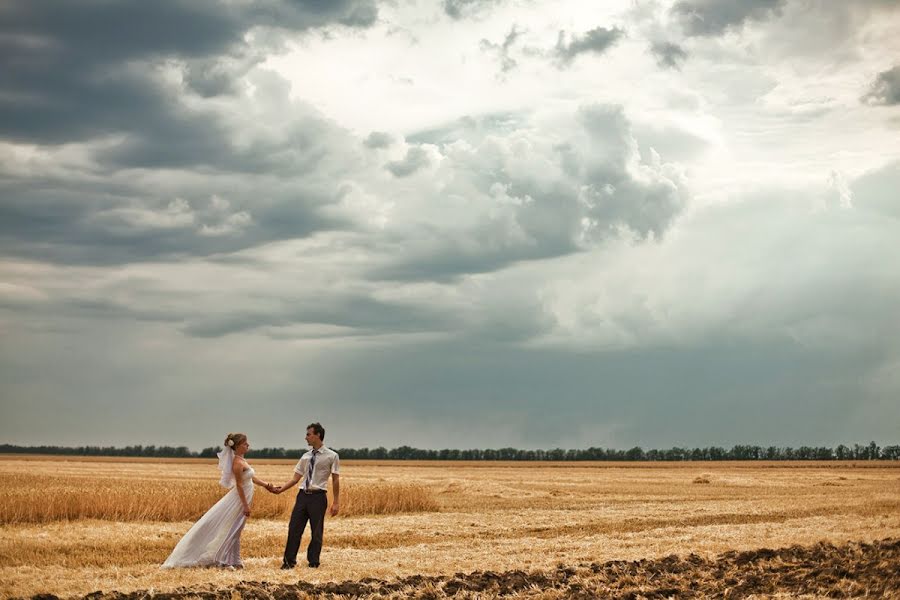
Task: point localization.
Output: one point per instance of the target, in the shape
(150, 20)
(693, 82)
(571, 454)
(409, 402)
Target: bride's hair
(232, 440)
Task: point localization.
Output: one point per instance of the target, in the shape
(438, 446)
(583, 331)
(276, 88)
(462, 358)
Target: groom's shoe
(287, 566)
(314, 565)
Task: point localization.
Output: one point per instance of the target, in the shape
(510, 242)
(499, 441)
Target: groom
(312, 500)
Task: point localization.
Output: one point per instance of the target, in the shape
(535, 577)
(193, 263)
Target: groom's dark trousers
(310, 506)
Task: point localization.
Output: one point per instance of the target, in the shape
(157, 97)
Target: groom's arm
(286, 486)
(336, 489)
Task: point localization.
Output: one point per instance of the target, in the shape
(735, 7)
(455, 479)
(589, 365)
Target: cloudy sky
(457, 223)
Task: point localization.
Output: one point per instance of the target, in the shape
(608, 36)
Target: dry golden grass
(496, 516)
(69, 498)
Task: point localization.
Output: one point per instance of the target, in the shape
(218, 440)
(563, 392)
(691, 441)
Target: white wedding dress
(215, 540)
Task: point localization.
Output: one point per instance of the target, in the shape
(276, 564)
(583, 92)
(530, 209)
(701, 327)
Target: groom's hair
(318, 429)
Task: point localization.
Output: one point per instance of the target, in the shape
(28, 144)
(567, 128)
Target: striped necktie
(309, 472)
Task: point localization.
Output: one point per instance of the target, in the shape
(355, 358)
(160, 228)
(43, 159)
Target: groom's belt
(302, 491)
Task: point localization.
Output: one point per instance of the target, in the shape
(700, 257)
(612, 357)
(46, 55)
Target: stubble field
(71, 527)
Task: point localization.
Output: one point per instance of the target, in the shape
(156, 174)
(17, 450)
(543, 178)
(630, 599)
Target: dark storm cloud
(89, 308)
(415, 159)
(885, 90)
(562, 196)
(715, 17)
(73, 71)
(597, 41)
(445, 394)
(80, 72)
(68, 221)
(361, 315)
(668, 55)
(218, 76)
(615, 195)
(193, 139)
(101, 73)
(436, 255)
(721, 392)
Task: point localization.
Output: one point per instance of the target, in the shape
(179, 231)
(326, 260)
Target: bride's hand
(246, 511)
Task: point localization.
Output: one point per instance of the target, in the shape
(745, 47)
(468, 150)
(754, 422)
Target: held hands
(275, 489)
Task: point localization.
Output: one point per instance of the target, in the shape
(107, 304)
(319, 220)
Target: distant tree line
(872, 451)
(156, 451)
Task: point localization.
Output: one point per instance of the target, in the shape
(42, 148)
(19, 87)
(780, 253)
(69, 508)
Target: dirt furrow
(851, 570)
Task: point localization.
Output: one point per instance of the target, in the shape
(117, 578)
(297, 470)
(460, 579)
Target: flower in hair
(230, 443)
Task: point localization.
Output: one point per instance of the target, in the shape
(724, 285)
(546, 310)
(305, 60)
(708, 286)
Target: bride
(215, 540)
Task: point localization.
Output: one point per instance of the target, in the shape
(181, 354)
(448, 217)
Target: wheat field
(74, 526)
(115, 498)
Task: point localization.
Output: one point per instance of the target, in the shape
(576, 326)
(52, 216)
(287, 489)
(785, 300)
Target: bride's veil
(226, 460)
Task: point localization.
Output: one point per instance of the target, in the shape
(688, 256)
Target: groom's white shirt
(327, 462)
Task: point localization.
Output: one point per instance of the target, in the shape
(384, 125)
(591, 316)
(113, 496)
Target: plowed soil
(853, 570)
